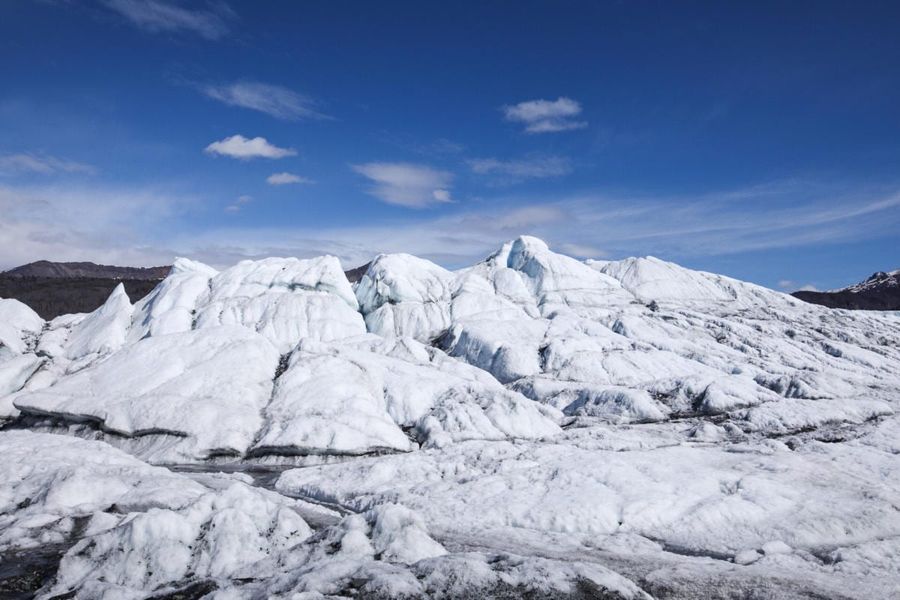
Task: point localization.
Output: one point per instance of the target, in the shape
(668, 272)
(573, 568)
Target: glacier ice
(531, 424)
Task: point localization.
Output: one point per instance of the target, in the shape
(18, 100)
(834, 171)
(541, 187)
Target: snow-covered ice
(532, 424)
(204, 389)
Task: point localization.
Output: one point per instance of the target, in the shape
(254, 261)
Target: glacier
(533, 425)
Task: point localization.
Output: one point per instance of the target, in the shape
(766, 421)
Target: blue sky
(760, 141)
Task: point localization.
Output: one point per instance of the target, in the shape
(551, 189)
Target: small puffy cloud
(286, 179)
(155, 16)
(530, 168)
(43, 165)
(546, 116)
(406, 184)
(237, 146)
(273, 100)
(238, 204)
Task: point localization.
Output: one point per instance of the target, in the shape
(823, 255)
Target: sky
(761, 140)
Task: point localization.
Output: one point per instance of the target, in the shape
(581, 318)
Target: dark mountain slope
(57, 288)
(53, 296)
(52, 289)
(69, 270)
(881, 291)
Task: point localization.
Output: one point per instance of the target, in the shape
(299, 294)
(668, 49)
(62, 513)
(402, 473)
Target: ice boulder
(19, 327)
(401, 295)
(14, 374)
(48, 482)
(212, 537)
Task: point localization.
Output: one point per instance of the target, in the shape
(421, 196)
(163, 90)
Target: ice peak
(186, 265)
(529, 244)
(117, 298)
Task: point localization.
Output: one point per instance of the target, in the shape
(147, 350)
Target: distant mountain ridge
(881, 291)
(70, 270)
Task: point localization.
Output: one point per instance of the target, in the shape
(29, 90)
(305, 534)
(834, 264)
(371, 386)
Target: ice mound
(284, 299)
(370, 393)
(19, 327)
(218, 533)
(103, 331)
(651, 279)
(204, 389)
(405, 296)
(48, 482)
(20, 331)
(638, 340)
(634, 340)
(171, 306)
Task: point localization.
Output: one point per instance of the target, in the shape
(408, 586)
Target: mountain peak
(880, 291)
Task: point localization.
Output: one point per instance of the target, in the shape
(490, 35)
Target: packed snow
(530, 425)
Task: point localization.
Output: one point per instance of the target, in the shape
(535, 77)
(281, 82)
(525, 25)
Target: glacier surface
(532, 425)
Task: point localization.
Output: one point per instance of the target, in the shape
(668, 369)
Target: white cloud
(162, 17)
(546, 116)
(41, 164)
(517, 170)
(286, 179)
(238, 203)
(237, 146)
(273, 100)
(406, 184)
(789, 285)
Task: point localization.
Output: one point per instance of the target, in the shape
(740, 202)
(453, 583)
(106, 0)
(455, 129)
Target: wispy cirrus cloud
(238, 203)
(41, 164)
(286, 179)
(273, 100)
(73, 222)
(546, 116)
(142, 227)
(593, 225)
(155, 16)
(512, 171)
(407, 184)
(237, 146)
